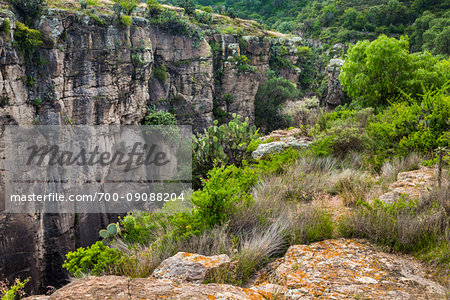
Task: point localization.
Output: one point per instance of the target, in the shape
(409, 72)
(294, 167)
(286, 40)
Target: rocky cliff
(93, 70)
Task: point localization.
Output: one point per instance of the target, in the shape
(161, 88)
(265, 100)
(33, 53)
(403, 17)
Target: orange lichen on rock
(346, 268)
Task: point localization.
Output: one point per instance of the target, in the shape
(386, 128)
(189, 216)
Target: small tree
(188, 5)
(154, 9)
(125, 6)
(269, 100)
(29, 10)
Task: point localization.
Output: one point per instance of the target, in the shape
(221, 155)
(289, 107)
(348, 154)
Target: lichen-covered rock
(188, 267)
(348, 269)
(122, 288)
(410, 184)
(335, 92)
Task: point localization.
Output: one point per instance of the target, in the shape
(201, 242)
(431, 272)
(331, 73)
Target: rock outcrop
(122, 288)
(332, 269)
(335, 92)
(95, 71)
(188, 267)
(280, 140)
(347, 269)
(410, 184)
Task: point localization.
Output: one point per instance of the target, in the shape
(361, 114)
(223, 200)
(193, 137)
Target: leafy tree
(378, 72)
(188, 5)
(270, 97)
(374, 72)
(29, 9)
(154, 9)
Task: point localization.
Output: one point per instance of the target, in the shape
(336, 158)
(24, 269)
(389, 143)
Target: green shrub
(160, 73)
(6, 27)
(406, 127)
(29, 10)
(14, 291)
(270, 97)
(226, 188)
(242, 64)
(126, 21)
(125, 6)
(375, 73)
(188, 6)
(154, 9)
(158, 117)
(27, 39)
(95, 260)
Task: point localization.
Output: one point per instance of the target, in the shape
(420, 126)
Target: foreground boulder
(122, 288)
(188, 267)
(347, 269)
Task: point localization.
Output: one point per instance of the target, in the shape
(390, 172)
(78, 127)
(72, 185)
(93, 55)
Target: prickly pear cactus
(224, 144)
(110, 231)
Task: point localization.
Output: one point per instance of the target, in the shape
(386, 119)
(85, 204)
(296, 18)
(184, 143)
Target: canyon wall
(101, 72)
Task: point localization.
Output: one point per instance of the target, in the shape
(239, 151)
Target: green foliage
(95, 260)
(271, 95)
(158, 117)
(85, 3)
(413, 126)
(37, 102)
(126, 21)
(154, 9)
(242, 64)
(27, 39)
(160, 73)
(6, 27)
(14, 291)
(226, 189)
(431, 33)
(29, 10)
(224, 144)
(376, 73)
(188, 6)
(125, 6)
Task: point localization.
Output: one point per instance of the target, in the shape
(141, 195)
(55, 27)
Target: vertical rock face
(335, 92)
(95, 72)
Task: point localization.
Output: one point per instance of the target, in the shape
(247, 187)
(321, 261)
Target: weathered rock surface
(331, 269)
(281, 140)
(188, 267)
(348, 269)
(95, 73)
(115, 288)
(411, 184)
(335, 92)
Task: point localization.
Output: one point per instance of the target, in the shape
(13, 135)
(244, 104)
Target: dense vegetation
(331, 21)
(240, 205)
(396, 118)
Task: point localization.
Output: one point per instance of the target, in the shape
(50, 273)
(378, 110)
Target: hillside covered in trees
(330, 21)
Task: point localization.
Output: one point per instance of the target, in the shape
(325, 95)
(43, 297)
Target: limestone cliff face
(100, 72)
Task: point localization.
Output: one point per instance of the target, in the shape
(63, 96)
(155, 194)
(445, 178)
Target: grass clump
(419, 226)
